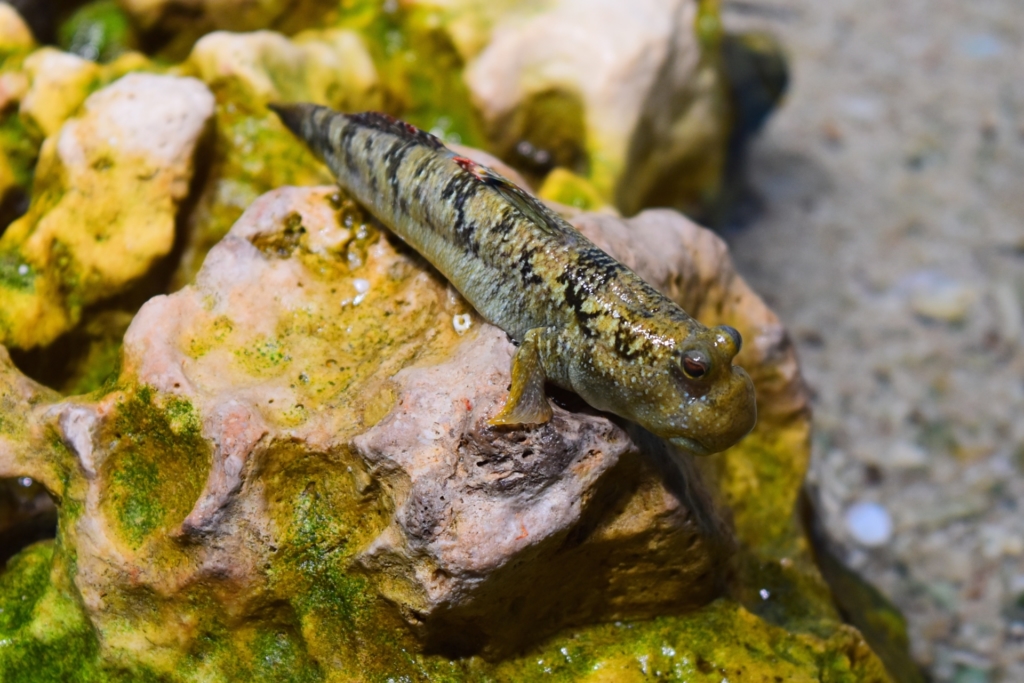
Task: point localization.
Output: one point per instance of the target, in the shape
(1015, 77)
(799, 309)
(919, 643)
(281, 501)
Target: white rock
(157, 117)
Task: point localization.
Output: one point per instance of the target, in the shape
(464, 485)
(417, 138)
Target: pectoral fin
(526, 403)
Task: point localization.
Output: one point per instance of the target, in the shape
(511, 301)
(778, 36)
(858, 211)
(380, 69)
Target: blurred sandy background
(885, 223)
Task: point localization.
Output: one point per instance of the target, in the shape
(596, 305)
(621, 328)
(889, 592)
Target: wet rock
(50, 86)
(17, 148)
(27, 513)
(293, 471)
(108, 185)
(625, 94)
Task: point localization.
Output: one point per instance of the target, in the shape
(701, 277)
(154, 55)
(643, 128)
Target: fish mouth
(690, 446)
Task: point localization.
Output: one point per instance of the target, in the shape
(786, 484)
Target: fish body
(581, 320)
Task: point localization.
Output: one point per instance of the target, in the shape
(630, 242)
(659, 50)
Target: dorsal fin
(532, 208)
(389, 124)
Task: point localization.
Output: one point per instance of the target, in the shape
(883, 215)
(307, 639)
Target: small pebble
(869, 523)
(937, 297)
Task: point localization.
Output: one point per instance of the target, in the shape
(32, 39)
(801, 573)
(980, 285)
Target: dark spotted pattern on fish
(581, 319)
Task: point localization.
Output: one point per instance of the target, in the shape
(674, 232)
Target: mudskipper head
(705, 403)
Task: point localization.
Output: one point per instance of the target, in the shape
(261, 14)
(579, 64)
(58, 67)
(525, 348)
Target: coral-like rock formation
(293, 474)
(107, 190)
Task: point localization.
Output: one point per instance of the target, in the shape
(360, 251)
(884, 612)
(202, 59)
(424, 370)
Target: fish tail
(310, 123)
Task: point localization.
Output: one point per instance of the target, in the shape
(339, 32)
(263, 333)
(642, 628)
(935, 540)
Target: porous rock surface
(107, 188)
(491, 522)
(294, 463)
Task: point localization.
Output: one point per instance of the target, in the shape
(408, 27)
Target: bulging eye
(695, 364)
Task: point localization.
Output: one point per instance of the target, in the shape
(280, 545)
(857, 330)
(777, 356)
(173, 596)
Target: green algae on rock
(99, 31)
(285, 479)
(565, 187)
(104, 204)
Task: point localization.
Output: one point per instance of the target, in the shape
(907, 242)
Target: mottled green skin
(583, 320)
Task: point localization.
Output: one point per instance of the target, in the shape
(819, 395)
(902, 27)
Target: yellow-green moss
(264, 357)
(254, 154)
(158, 464)
(565, 187)
(18, 147)
(720, 641)
(98, 347)
(548, 130)
(760, 481)
(44, 634)
(15, 273)
(99, 31)
(420, 69)
(21, 583)
(709, 23)
(324, 520)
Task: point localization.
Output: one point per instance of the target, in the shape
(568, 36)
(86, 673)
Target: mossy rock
(221, 516)
(217, 511)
